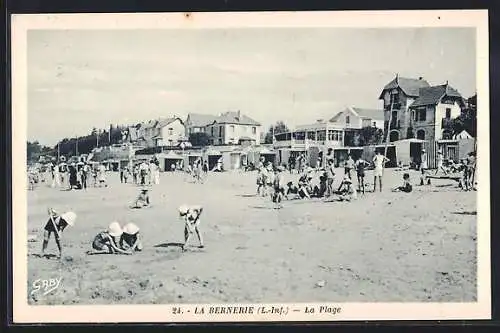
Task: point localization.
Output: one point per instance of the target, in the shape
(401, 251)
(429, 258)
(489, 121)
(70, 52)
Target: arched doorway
(393, 136)
(421, 134)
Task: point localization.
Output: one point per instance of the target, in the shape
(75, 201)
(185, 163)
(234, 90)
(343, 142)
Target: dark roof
(376, 114)
(235, 118)
(162, 122)
(200, 120)
(409, 86)
(432, 95)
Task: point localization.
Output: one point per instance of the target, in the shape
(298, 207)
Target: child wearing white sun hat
(106, 242)
(131, 238)
(56, 224)
(191, 216)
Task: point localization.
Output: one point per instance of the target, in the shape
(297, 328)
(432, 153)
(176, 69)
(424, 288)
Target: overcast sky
(81, 79)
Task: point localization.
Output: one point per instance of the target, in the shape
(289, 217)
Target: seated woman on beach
(131, 238)
(106, 242)
(56, 224)
(142, 200)
(406, 187)
(347, 192)
(291, 189)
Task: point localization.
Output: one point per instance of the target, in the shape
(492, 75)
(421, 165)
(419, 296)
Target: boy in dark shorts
(56, 224)
(360, 166)
(279, 187)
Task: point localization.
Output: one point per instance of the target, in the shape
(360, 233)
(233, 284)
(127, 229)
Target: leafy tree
(467, 119)
(370, 135)
(279, 127)
(199, 139)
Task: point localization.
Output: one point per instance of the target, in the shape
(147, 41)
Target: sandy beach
(383, 247)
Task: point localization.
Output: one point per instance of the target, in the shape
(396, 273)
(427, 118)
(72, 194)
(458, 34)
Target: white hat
(130, 229)
(69, 218)
(183, 209)
(114, 229)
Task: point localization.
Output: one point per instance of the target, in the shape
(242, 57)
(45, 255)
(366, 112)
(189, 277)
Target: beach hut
(408, 151)
(269, 155)
(213, 156)
(170, 159)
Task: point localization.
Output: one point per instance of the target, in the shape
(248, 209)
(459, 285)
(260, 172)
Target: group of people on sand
(143, 173)
(319, 182)
(77, 175)
(117, 239)
(197, 171)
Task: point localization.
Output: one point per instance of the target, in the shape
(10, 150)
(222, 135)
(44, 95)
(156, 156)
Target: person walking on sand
(379, 161)
(107, 242)
(56, 225)
(85, 174)
(440, 164)
(102, 176)
(191, 216)
(131, 239)
(423, 168)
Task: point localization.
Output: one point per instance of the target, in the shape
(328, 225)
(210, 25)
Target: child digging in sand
(131, 239)
(107, 242)
(406, 187)
(142, 200)
(56, 224)
(191, 217)
(347, 190)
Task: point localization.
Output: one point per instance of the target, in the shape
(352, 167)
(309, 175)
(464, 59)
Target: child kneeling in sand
(131, 238)
(142, 200)
(106, 242)
(347, 190)
(56, 224)
(191, 217)
(406, 187)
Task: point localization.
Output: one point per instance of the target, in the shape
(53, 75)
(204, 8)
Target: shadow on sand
(169, 245)
(465, 213)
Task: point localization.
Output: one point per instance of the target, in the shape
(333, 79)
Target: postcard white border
(24, 313)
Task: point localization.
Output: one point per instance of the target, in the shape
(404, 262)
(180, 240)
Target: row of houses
(229, 128)
(413, 113)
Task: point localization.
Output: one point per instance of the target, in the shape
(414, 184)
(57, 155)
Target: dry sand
(384, 247)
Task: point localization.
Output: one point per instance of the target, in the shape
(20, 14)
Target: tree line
(76, 146)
